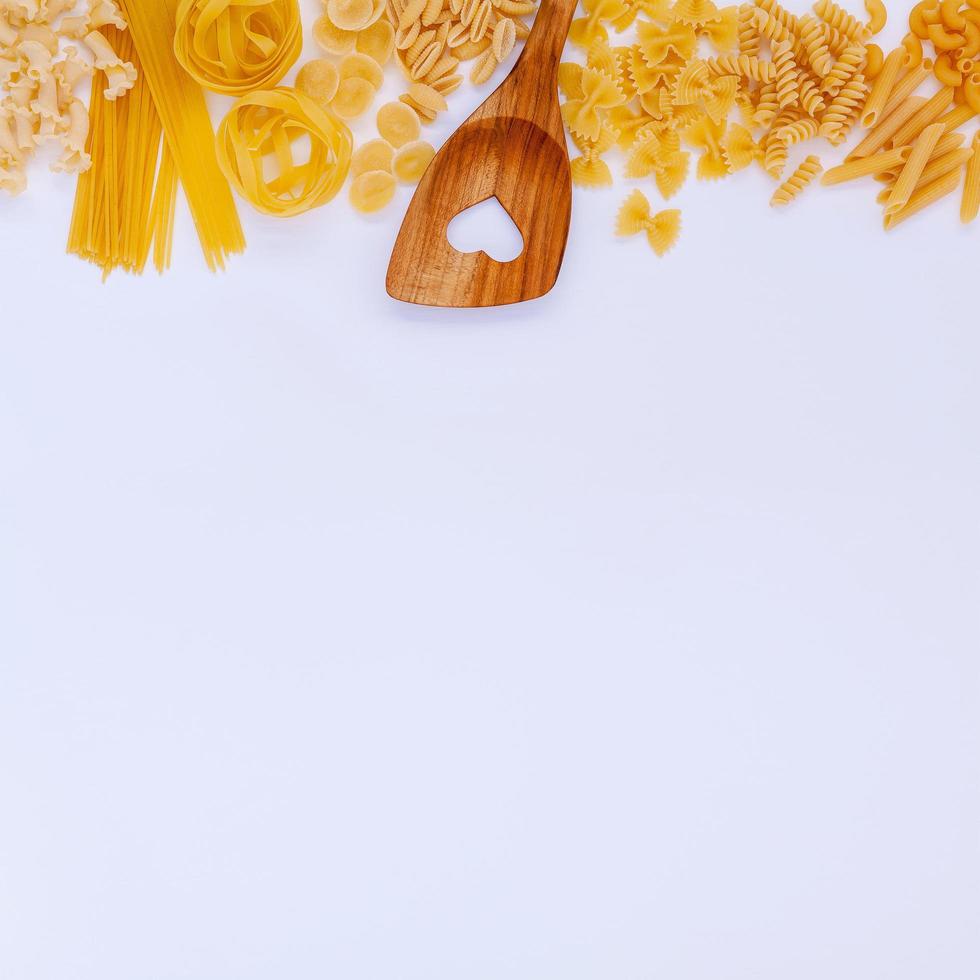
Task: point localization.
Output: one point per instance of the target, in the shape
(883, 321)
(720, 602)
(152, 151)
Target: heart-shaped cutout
(486, 227)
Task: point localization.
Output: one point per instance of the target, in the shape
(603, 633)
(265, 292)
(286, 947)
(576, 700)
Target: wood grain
(512, 148)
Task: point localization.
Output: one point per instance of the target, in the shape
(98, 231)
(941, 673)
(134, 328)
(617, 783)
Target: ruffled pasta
(661, 229)
(120, 74)
(266, 124)
(599, 92)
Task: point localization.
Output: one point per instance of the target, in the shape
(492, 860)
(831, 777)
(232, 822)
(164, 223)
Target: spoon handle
(543, 48)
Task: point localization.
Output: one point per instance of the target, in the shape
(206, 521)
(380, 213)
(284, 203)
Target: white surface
(631, 633)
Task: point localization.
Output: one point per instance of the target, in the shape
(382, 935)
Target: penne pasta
(916, 163)
(865, 166)
(971, 186)
(926, 115)
(923, 198)
(905, 86)
(882, 87)
(884, 131)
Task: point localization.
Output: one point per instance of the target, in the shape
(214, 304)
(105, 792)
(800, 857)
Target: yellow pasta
(940, 165)
(787, 74)
(956, 117)
(927, 113)
(841, 20)
(124, 203)
(599, 92)
(411, 161)
(662, 229)
(905, 86)
(877, 15)
(357, 65)
(971, 186)
(319, 80)
(373, 155)
(332, 39)
(971, 91)
(874, 62)
(268, 124)
(865, 166)
(354, 97)
(885, 130)
(672, 172)
(237, 46)
(882, 87)
(799, 179)
(398, 123)
(739, 147)
(814, 39)
(376, 41)
(590, 170)
(190, 139)
(923, 198)
(350, 15)
(372, 191)
(909, 177)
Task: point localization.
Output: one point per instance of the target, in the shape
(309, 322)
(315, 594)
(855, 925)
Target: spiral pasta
(236, 46)
(787, 74)
(747, 66)
(749, 38)
(814, 39)
(847, 65)
(800, 178)
(267, 123)
(842, 21)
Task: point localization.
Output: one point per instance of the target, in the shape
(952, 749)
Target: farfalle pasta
(758, 84)
(661, 229)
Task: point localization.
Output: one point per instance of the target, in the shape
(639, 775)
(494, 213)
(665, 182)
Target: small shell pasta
(398, 123)
(319, 79)
(411, 161)
(373, 155)
(354, 97)
(372, 191)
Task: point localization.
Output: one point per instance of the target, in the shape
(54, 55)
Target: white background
(625, 635)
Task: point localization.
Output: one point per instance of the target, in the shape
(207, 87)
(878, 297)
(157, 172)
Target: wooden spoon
(512, 148)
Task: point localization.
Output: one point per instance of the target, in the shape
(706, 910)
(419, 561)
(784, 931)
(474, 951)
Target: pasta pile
(124, 203)
(432, 39)
(952, 30)
(787, 80)
(753, 83)
(268, 124)
(182, 112)
(662, 229)
(39, 75)
(912, 146)
(398, 154)
(237, 46)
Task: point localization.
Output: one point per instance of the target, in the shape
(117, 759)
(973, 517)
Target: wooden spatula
(512, 148)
